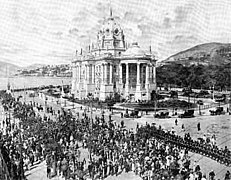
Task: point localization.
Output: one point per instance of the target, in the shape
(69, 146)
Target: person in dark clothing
(182, 127)
(48, 172)
(176, 122)
(227, 176)
(197, 168)
(198, 126)
(212, 175)
(110, 117)
(122, 124)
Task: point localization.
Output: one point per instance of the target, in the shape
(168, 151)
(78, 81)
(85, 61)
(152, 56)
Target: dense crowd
(149, 151)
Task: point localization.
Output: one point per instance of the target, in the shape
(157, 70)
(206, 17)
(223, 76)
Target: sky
(50, 31)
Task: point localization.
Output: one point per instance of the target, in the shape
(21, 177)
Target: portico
(135, 78)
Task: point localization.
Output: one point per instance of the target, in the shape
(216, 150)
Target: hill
(206, 54)
(7, 69)
(34, 66)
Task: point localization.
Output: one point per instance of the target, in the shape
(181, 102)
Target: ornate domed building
(109, 67)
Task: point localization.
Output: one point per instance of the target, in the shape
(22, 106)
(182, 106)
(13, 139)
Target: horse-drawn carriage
(133, 114)
(217, 111)
(188, 113)
(162, 114)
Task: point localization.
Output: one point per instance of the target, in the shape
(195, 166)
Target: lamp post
(90, 97)
(154, 94)
(33, 98)
(45, 105)
(213, 91)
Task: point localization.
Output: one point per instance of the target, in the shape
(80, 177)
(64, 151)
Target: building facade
(109, 66)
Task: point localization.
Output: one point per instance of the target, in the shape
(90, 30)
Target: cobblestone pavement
(218, 125)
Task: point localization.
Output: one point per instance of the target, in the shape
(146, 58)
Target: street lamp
(213, 91)
(90, 97)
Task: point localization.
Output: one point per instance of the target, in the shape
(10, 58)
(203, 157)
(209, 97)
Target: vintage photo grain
(115, 90)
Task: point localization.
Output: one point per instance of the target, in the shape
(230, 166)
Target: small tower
(110, 38)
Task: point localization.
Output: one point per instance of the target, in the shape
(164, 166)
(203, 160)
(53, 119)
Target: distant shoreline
(24, 76)
(19, 82)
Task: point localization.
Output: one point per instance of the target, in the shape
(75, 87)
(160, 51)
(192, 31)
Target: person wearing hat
(212, 175)
(48, 171)
(227, 176)
(198, 126)
(203, 177)
(64, 166)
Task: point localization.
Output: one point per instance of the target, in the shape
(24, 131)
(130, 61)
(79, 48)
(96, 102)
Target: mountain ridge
(8, 69)
(213, 53)
(34, 66)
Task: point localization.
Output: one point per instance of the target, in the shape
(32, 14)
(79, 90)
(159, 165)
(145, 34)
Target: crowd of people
(149, 151)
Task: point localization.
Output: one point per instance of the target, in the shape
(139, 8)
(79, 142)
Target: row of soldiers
(206, 149)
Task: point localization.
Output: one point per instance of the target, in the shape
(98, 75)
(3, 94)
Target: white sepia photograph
(115, 90)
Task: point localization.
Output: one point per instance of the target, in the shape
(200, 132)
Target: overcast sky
(49, 31)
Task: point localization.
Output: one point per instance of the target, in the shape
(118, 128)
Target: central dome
(110, 27)
(134, 50)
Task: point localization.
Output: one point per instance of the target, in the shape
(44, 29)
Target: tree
(199, 76)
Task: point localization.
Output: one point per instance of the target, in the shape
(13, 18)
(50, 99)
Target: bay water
(32, 81)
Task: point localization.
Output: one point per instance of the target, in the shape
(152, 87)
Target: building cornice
(119, 58)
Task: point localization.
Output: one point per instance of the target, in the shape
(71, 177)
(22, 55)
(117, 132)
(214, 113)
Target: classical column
(79, 73)
(138, 74)
(120, 74)
(90, 73)
(127, 80)
(87, 73)
(73, 73)
(154, 74)
(75, 70)
(76, 79)
(93, 74)
(147, 77)
(138, 94)
(127, 74)
(73, 80)
(105, 74)
(76, 73)
(102, 73)
(111, 74)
